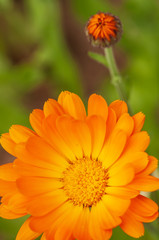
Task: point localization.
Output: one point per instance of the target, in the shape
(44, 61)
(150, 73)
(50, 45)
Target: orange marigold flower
(103, 29)
(78, 175)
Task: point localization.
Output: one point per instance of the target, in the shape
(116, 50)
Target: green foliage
(9, 229)
(98, 57)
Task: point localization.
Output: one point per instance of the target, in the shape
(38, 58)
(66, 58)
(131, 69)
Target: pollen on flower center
(85, 182)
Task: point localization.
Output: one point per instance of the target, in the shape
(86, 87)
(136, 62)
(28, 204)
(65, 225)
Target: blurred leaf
(12, 113)
(4, 3)
(45, 16)
(10, 228)
(98, 57)
(23, 77)
(87, 8)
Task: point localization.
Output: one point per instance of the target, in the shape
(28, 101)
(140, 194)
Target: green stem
(116, 78)
(114, 72)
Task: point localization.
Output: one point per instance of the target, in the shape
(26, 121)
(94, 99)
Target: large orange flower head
(78, 175)
(103, 29)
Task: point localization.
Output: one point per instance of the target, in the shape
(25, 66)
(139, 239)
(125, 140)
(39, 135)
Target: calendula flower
(103, 29)
(78, 175)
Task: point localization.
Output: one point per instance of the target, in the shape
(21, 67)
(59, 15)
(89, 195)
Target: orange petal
(138, 142)
(120, 176)
(103, 216)
(52, 107)
(26, 233)
(7, 172)
(145, 219)
(116, 205)
(97, 106)
(16, 203)
(6, 213)
(25, 156)
(36, 119)
(97, 128)
(20, 134)
(113, 148)
(7, 187)
(151, 166)
(96, 229)
(131, 226)
(32, 186)
(7, 143)
(111, 121)
(143, 206)
(42, 150)
(139, 120)
(72, 104)
(120, 107)
(65, 228)
(46, 222)
(25, 169)
(83, 134)
(145, 183)
(125, 123)
(122, 192)
(100, 234)
(45, 203)
(54, 138)
(138, 160)
(64, 126)
(81, 231)
(50, 234)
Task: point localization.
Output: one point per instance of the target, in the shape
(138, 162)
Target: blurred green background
(43, 50)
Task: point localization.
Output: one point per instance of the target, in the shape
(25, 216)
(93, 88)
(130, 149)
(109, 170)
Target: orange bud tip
(103, 29)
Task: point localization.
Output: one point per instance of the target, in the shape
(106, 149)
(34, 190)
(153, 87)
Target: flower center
(85, 182)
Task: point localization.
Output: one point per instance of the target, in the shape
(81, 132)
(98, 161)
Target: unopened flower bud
(103, 29)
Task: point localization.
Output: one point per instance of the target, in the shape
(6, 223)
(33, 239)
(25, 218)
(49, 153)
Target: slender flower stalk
(114, 72)
(116, 78)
